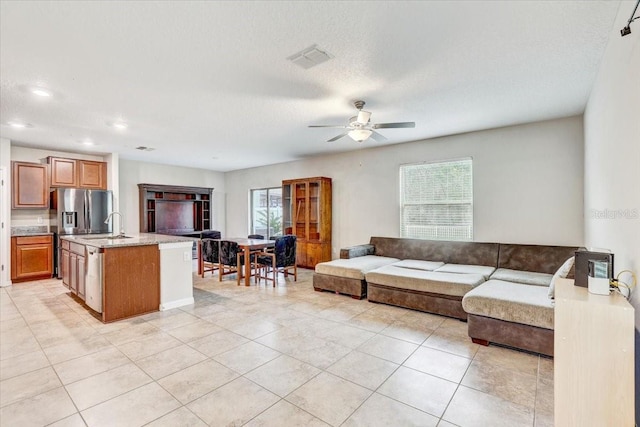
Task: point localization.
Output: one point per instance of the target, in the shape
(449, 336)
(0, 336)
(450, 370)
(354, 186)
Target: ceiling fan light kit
(359, 135)
(359, 128)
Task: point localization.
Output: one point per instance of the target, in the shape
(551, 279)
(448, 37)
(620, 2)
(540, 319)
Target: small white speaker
(598, 285)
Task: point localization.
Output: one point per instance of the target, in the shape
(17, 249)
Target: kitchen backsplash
(29, 229)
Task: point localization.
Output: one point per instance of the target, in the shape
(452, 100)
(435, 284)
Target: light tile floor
(258, 356)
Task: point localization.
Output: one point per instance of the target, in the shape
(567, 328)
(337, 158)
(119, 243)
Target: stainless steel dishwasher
(95, 278)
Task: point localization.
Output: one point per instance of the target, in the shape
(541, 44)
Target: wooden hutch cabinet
(307, 214)
(171, 209)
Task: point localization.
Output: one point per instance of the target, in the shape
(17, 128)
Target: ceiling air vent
(143, 148)
(310, 57)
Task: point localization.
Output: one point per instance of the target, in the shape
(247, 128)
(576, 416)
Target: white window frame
(267, 235)
(437, 231)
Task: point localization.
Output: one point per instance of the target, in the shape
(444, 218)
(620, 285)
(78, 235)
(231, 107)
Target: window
(266, 212)
(436, 200)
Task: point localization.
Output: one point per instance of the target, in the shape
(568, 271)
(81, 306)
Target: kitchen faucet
(106, 221)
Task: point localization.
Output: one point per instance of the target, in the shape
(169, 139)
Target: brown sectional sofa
(501, 289)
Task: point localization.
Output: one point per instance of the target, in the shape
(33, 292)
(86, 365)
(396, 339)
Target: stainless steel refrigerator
(79, 211)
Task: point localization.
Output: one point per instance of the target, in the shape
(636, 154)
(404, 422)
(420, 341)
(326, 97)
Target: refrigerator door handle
(87, 211)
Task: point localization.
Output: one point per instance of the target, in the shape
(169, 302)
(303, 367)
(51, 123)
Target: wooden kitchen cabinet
(76, 173)
(131, 281)
(64, 172)
(31, 258)
(30, 186)
(73, 267)
(92, 174)
(306, 207)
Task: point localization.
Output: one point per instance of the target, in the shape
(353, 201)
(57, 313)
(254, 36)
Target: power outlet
(39, 220)
(186, 256)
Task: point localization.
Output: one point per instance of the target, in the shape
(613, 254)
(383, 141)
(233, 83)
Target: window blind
(436, 200)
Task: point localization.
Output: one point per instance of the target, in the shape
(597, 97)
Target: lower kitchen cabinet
(31, 258)
(73, 267)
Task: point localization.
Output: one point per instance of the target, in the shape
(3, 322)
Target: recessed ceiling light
(120, 125)
(86, 141)
(40, 92)
(20, 125)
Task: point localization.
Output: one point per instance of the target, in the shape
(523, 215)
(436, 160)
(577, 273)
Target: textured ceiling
(207, 84)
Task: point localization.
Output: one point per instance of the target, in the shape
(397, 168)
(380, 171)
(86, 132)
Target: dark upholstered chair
(282, 259)
(210, 255)
(211, 234)
(256, 236)
(231, 259)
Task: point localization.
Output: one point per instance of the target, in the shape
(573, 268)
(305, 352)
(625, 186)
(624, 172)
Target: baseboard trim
(177, 303)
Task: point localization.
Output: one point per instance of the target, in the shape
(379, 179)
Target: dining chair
(282, 259)
(256, 236)
(211, 234)
(231, 259)
(210, 252)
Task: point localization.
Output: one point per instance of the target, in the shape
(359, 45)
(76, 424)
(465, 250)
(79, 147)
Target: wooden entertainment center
(170, 209)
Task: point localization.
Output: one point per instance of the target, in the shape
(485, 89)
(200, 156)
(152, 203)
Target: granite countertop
(30, 230)
(133, 239)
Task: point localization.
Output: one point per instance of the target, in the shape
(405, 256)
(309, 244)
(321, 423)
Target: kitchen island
(124, 276)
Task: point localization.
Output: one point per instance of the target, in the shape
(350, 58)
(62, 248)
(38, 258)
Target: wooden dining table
(248, 246)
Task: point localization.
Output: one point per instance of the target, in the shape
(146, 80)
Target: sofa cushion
(418, 264)
(353, 268)
(468, 269)
(525, 277)
(425, 281)
(438, 250)
(511, 302)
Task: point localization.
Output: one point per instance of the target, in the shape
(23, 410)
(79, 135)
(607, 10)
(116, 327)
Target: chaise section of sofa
(432, 291)
(513, 308)
(347, 275)
(465, 265)
(513, 314)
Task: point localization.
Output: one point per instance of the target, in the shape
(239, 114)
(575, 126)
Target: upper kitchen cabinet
(77, 173)
(92, 174)
(64, 172)
(30, 186)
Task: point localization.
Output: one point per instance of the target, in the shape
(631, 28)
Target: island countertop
(132, 239)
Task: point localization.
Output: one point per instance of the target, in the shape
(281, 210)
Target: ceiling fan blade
(328, 126)
(335, 138)
(394, 125)
(377, 136)
(363, 117)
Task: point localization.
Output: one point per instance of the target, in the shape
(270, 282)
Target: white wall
(133, 173)
(527, 184)
(612, 160)
(612, 151)
(5, 213)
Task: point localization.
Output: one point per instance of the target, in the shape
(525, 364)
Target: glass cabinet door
(314, 210)
(300, 210)
(287, 217)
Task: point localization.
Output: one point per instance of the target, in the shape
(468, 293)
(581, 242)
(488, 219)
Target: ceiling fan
(359, 128)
